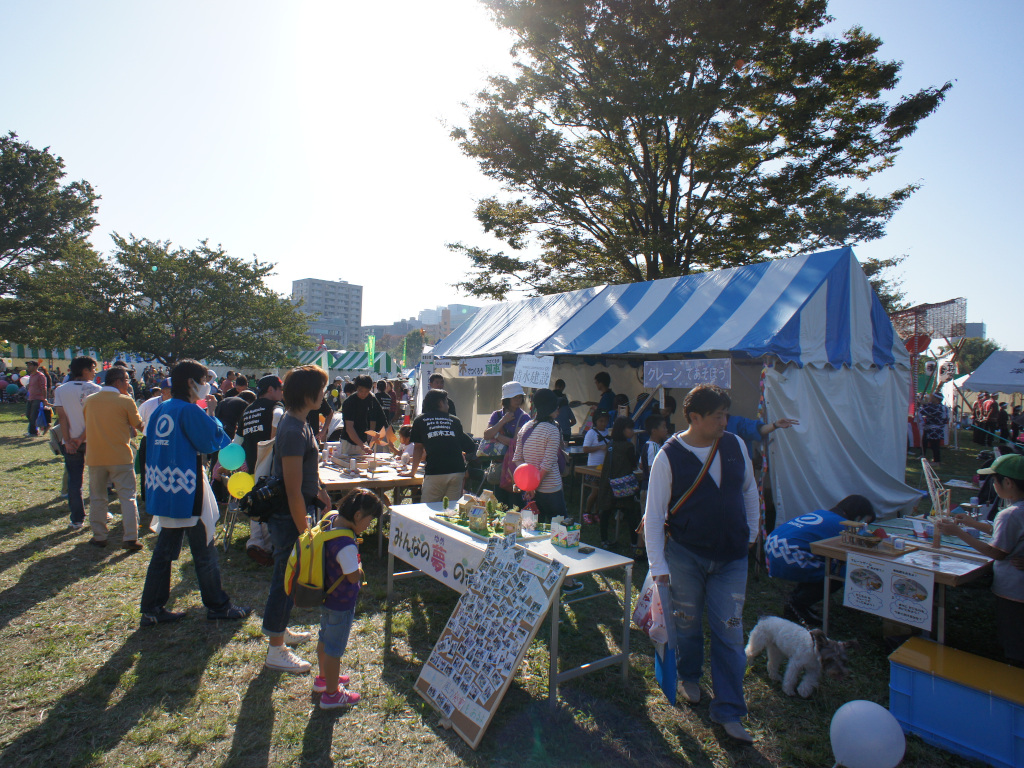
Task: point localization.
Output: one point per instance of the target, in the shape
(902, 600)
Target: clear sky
(315, 135)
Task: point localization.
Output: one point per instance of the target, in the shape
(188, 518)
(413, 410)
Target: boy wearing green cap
(1006, 549)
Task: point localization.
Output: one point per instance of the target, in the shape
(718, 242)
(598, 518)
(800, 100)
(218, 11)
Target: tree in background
(38, 216)
(645, 139)
(888, 287)
(169, 304)
(973, 353)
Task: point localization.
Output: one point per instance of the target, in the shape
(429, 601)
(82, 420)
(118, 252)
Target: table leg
(627, 603)
(940, 613)
(828, 594)
(388, 602)
(380, 523)
(553, 651)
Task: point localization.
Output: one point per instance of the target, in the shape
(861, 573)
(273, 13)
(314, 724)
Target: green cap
(1011, 465)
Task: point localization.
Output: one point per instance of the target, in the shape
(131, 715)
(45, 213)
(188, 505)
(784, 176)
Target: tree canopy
(644, 139)
(38, 216)
(167, 303)
(973, 353)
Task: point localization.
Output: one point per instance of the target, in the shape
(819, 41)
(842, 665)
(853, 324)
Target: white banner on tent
(480, 366)
(684, 374)
(534, 371)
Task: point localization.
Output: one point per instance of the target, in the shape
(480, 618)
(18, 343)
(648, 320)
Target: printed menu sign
(889, 589)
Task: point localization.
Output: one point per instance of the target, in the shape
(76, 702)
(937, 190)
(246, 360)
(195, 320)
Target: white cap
(511, 389)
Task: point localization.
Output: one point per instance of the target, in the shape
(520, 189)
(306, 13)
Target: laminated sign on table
(494, 622)
(889, 589)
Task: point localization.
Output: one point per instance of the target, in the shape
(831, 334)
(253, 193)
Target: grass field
(81, 684)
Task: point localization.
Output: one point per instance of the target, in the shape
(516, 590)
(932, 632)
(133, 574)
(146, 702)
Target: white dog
(808, 653)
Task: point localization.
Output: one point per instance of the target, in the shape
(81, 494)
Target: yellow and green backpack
(304, 576)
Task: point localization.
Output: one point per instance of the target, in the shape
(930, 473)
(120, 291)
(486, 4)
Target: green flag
(403, 352)
(371, 349)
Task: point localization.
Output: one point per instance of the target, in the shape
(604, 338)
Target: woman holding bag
(502, 429)
(539, 443)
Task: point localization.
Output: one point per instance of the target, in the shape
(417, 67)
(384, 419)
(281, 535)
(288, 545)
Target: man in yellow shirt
(111, 419)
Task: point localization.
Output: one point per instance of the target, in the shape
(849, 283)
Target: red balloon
(527, 477)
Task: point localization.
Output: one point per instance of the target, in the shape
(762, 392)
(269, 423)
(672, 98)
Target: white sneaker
(291, 637)
(281, 657)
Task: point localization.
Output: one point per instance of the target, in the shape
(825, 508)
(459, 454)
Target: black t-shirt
(313, 417)
(385, 402)
(255, 426)
(229, 411)
(442, 436)
(359, 413)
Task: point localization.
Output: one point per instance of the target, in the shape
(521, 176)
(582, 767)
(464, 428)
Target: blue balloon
(232, 457)
(12, 389)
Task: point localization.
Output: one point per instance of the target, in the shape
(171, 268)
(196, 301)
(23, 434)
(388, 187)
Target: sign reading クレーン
(684, 374)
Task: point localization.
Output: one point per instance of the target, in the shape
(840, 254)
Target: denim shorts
(334, 630)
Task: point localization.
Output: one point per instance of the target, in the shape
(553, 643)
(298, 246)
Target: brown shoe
(132, 546)
(98, 543)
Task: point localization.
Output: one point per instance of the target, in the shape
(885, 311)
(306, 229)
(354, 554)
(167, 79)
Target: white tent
(807, 331)
(1001, 372)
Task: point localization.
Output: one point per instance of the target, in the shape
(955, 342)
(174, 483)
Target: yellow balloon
(240, 483)
(334, 393)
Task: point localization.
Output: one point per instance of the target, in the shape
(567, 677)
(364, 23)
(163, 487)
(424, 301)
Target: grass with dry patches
(82, 685)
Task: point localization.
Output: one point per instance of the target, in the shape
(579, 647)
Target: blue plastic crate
(970, 721)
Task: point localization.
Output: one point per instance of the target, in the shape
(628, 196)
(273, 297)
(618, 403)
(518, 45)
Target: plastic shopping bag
(649, 615)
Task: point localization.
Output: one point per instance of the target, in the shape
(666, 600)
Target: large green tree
(168, 303)
(38, 215)
(645, 138)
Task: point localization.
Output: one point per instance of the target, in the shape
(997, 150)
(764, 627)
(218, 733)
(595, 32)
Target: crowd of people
(689, 498)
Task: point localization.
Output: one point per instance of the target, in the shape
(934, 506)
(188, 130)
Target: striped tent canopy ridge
(338, 360)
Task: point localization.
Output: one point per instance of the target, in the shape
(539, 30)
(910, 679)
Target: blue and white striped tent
(832, 360)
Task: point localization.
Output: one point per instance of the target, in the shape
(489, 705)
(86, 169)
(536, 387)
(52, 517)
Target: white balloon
(866, 735)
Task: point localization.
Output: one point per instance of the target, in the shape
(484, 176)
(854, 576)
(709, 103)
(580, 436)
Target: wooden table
(971, 567)
(415, 518)
(339, 482)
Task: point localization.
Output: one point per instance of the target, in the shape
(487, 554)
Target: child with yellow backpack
(324, 567)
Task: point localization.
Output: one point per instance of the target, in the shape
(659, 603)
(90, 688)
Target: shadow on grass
(166, 670)
(255, 724)
(48, 577)
(38, 544)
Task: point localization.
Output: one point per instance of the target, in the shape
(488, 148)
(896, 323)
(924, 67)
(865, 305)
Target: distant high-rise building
(975, 331)
(340, 306)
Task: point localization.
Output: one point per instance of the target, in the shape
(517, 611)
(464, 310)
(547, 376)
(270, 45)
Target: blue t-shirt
(788, 548)
(606, 402)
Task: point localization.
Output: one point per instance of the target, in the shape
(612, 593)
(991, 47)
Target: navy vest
(712, 523)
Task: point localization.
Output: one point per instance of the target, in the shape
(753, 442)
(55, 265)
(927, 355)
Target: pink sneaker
(320, 685)
(340, 699)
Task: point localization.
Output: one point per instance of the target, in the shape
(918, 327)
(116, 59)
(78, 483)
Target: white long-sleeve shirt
(659, 492)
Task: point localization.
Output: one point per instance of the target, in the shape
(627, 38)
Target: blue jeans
(32, 412)
(335, 627)
(283, 535)
(550, 505)
(721, 586)
(74, 463)
(157, 589)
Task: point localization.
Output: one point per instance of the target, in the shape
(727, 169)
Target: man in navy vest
(701, 519)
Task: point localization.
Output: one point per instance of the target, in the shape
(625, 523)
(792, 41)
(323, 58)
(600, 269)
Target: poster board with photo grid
(488, 634)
